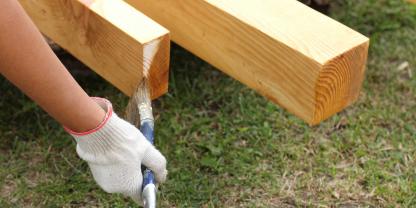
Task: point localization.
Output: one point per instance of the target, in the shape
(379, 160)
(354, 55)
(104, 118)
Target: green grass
(229, 147)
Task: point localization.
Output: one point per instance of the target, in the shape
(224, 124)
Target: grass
(229, 147)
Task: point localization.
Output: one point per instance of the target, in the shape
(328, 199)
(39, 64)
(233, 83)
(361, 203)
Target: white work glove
(115, 151)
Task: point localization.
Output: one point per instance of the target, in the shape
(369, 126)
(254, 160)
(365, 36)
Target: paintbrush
(141, 101)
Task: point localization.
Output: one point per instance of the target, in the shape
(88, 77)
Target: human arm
(28, 62)
(113, 148)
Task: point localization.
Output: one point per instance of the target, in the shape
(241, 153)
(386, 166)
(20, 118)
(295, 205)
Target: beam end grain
(339, 82)
(156, 64)
(108, 36)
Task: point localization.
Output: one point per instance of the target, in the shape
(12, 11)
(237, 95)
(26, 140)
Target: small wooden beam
(301, 59)
(111, 37)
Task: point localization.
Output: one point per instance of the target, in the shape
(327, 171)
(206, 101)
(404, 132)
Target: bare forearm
(28, 62)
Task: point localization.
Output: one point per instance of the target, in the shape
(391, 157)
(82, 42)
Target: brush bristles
(142, 94)
(144, 103)
(139, 107)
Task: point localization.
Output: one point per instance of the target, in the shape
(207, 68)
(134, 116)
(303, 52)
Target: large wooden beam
(306, 62)
(111, 37)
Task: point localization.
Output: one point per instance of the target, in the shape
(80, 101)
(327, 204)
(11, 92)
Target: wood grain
(301, 59)
(107, 35)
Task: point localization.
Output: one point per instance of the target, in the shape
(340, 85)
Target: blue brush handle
(147, 130)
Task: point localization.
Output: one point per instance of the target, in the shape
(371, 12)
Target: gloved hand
(115, 151)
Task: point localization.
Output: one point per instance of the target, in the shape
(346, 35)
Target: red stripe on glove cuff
(109, 111)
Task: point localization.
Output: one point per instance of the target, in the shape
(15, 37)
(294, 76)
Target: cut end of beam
(339, 82)
(156, 64)
(149, 52)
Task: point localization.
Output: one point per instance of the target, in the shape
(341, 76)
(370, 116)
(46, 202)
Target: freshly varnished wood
(301, 59)
(107, 35)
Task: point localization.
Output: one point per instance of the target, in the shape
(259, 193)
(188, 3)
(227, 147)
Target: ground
(229, 147)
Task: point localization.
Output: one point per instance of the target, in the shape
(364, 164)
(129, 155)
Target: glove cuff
(108, 136)
(106, 106)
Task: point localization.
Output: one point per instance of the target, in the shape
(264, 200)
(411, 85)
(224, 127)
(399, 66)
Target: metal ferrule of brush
(146, 114)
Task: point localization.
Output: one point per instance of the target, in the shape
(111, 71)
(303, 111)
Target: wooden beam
(306, 62)
(111, 37)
